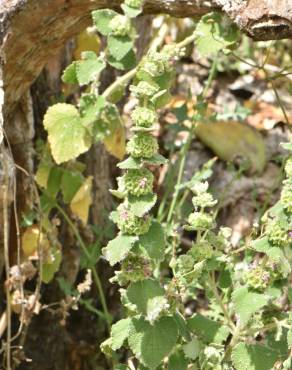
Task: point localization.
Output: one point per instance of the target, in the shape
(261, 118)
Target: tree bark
(32, 31)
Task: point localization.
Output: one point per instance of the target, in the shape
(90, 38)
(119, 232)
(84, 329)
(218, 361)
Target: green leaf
(54, 182)
(156, 160)
(67, 136)
(50, 268)
(148, 297)
(130, 164)
(120, 332)
(261, 245)
(247, 303)
(70, 184)
(192, 349)
(130, 11)
(153, 242)
(253, 357)
(127, 62)
(214, 33)
(118, 248)
(277, 256)
(177, 361)
(102, 19)
(69, 75)
(119, 46)
(89, 68)
(208, 330)
(142, 204)
(90, 107)
(151, 343)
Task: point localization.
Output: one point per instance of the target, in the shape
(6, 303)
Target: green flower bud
(258, 278)
(134, 3)
(144, 90)
(286, 197)
(288, 167)
(200, 221)
(185, 263)
(201, 251)
(210, 358)
(144, 117)
(142, 145)
(128, 223)
(134, 268)
(139, 182)
(276, 234)
(120, 25)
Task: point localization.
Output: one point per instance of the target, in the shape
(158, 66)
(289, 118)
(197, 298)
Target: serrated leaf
(153, 242)
(277, 256)
(67, 136)
(208, 330)
(130, 164)
(177, 361)
(214, 33)
(127, 62)
(130, 11)
(118, 248)
(119, 333)
(192, 349)
(69, 75)
(261, 245)
(119, 46)
(142, 204)
(89, 68)
(156, 160)
(151, 343)
(247, 303)
(148, 297)
(70, 184)
(253, 357)
(102, 19)
(82, 200)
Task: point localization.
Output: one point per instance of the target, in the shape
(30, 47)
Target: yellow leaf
(82, 200)
(87, 40)
(116, 143)
(31, 238)
(42, 174)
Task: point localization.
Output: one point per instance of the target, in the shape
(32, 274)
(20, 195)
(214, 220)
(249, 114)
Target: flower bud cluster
(120, 25)
(139, 182)
(131, 224)
(134, 268)
(142, 145)
(144, 117)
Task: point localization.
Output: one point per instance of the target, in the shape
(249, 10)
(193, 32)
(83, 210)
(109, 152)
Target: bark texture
(32, 31)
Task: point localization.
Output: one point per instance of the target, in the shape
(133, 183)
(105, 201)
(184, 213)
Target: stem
(280, 103)
(212, 284)
(184, 151)
(93, 269)
(123, 80)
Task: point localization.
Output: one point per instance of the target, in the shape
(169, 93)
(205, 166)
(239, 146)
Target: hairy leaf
(151, 343)
(118, 248)
(67, 136)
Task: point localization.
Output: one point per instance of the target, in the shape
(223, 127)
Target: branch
(32, 31)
